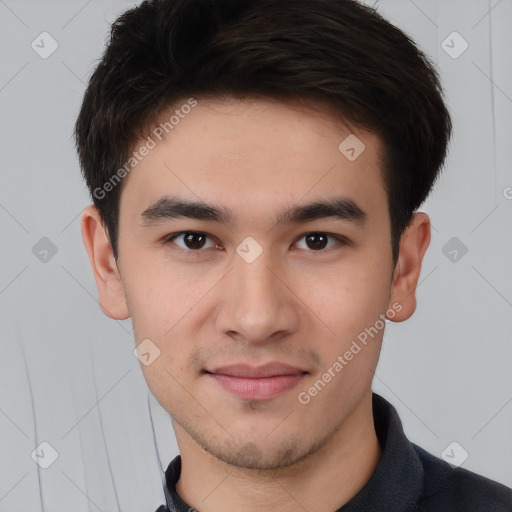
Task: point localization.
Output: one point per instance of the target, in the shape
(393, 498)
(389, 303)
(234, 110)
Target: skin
(294, 304)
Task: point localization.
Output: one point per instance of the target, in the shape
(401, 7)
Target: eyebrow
(168, 208)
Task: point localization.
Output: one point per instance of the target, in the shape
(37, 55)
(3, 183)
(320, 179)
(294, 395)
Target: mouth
(257, 383)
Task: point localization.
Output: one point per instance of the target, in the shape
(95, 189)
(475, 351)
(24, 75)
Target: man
(256, 168)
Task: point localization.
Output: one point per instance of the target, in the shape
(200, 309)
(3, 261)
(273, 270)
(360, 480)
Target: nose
(257, 304)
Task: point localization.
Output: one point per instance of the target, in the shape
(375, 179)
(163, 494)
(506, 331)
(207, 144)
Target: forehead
(255, 154)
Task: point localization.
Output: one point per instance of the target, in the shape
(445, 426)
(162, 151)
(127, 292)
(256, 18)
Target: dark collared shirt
(407, 478)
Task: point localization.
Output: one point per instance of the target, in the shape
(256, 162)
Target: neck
(323, 481)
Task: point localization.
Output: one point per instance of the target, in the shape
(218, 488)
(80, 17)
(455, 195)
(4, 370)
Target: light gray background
(67, 373)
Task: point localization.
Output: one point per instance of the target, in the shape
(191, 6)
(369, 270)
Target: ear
(108, 280)
(413, 245)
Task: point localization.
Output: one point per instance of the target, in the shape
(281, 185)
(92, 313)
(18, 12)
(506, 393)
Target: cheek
(157, 294)
(349, 297)
(352, 307)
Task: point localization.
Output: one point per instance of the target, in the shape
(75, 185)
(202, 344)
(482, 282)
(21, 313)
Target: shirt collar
(169, 479)
(395, 486)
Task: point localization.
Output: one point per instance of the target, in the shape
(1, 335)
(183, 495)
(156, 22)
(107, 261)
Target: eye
(195, 241)
(190, 241)
(319, 241)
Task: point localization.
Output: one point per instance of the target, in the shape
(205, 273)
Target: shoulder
(450, 489)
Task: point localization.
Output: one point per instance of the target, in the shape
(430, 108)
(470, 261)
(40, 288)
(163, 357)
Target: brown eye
(191, 241)
(194, 240)
(317, 241)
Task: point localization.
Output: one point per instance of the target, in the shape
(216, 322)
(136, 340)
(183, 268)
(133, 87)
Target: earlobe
(99, 249)
(413, 245)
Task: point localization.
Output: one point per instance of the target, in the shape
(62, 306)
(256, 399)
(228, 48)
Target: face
(285, 257)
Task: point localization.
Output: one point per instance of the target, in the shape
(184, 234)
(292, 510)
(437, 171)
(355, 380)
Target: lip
(257, 382)
(267, 370)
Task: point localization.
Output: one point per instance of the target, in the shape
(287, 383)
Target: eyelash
(170, 239)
